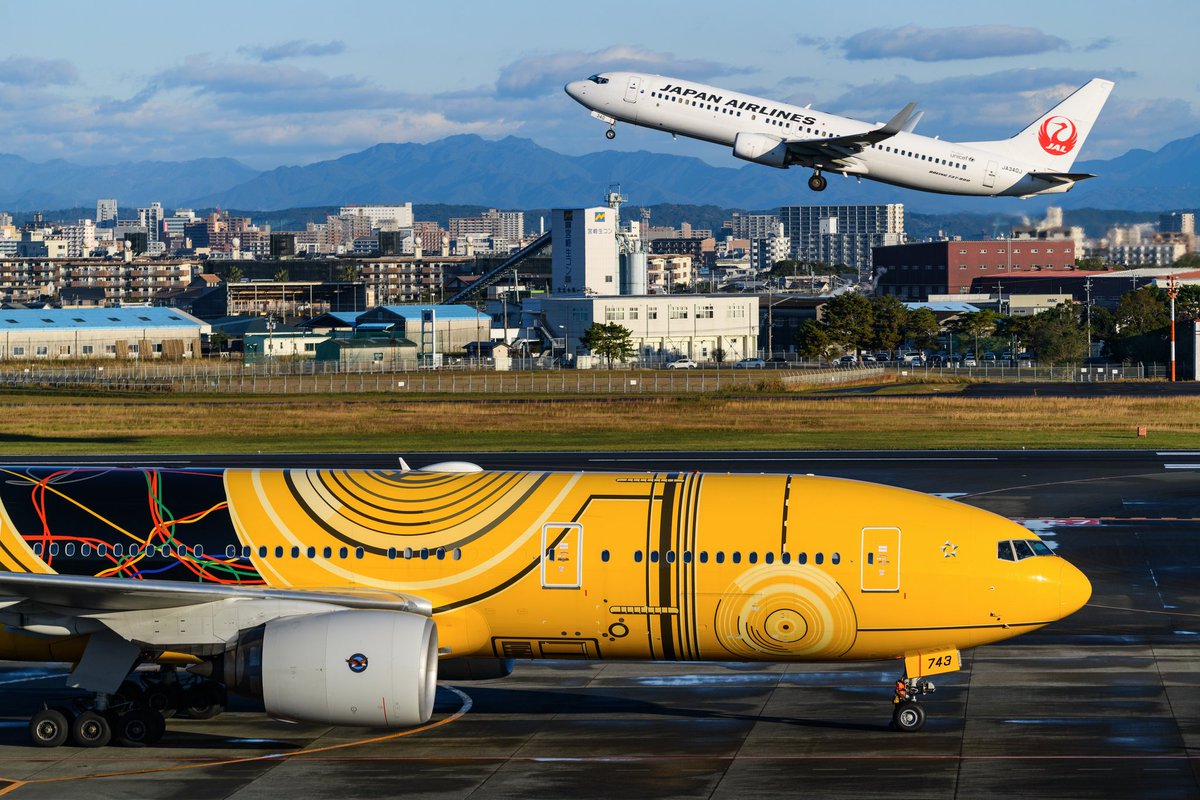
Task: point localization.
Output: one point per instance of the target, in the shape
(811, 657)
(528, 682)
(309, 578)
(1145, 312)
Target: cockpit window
(1019, 549)
(598, 79)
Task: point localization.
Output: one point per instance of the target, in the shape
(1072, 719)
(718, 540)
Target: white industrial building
(599, 274)
(663, 327)
(99, 333)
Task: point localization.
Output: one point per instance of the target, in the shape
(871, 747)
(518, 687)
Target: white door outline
(989, 176)
(631, 91)
(880, 559)
(562, 555)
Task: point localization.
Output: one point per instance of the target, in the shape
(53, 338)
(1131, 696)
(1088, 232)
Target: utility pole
(1172, 290)
(1088, 285)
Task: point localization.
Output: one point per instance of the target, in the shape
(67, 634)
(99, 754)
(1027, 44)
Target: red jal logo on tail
(1057, 136)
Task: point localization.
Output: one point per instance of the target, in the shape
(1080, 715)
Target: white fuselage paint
(906, 159)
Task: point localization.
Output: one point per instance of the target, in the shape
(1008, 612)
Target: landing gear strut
(817, 182)
(907, 714)
(135, 716)
(611, 133)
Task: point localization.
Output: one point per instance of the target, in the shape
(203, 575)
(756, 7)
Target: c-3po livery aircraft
(1036, 161)
(333, 595)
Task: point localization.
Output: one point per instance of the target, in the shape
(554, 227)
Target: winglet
(911, 124)
(898, 122)
(404, 467)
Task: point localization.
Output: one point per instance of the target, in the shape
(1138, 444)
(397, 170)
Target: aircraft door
(562, 555)
(989, 176)
(632, 90)
(880, 559)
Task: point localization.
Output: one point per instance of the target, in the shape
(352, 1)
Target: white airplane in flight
(1036, 161)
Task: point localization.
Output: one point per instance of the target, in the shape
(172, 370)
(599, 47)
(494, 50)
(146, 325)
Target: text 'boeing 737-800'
(1036, 161)
(336, 596)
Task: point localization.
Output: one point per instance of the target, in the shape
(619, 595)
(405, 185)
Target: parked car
(750, 363)
(683, 363)
(847, 361)
(777, 362)
(909, 358)
(883, 357)
(969, 360)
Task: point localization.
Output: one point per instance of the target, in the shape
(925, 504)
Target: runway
(1103, 704)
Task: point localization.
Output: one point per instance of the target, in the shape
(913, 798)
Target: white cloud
(950, 44)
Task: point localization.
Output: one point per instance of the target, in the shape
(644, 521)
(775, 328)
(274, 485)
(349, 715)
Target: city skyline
(274, 85)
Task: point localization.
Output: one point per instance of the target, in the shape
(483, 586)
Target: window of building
(614, 314)
(633, 313)
(678, 312)
(652, 313)
(704, 312)
(18, 350)
(42, 350)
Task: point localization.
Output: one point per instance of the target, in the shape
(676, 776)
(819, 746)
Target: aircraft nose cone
(1074, 589)
(575, 89)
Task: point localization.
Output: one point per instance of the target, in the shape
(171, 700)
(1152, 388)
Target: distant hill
(26, 186)
(518, 173)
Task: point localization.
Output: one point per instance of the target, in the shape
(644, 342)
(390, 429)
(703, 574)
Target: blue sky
(273, 83)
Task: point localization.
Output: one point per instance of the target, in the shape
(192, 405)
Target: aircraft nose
(575, 89)
(1074, 589)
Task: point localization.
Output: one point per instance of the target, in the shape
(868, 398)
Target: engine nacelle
(371, 668)
(761, 148)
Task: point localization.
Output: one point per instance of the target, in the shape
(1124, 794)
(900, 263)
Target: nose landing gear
(611, 133)
(817, 182)
(907, 714)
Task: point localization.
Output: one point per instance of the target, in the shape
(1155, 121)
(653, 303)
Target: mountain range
(518, 173)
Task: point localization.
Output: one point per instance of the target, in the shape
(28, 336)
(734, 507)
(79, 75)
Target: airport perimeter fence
(307, 377)
(260, 379)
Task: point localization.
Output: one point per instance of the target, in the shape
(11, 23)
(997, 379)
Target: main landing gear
(907, 714)
(817, 182)
(135, 716)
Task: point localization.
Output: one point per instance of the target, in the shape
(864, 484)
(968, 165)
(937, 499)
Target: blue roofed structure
(131, 332)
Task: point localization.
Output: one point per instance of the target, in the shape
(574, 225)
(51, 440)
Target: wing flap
(119, 594)
(852, 144)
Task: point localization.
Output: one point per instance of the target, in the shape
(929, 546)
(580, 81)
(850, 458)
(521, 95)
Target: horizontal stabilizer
(1062, 177)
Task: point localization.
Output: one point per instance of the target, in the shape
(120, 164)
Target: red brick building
(912, 272)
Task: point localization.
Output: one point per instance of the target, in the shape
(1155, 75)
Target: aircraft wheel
(908, 717)
(610, 134)
(204, 701)
(49, 728)
(162, 699)
(90, 729)
(817, 182)
(138, 728)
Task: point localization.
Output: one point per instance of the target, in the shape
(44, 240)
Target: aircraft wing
(845, 146)
(87, 594)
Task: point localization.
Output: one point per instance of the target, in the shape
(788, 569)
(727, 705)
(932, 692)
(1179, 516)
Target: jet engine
(761, 148)
(369, 668)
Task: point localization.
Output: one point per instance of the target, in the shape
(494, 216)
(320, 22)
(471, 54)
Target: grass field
(935, 417)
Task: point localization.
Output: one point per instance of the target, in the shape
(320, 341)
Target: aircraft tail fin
(1061, 131)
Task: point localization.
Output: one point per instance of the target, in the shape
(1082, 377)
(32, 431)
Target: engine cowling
(761, 148)
(370, 668)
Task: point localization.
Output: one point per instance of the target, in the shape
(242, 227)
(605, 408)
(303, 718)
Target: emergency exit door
(880, 559)
(989, 175)
(562, 555)
(631, 91)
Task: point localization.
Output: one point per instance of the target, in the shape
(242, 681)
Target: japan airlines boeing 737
(1036, 161)
(333, 594)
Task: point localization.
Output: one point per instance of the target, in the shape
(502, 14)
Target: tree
(1187, 303)
(889, 322)
(812, 340)
(1141, 311)
(610, 341)
(980, 323)
(1057, 336)
(234, 274)
(847, 319)
(1016, 330)
(922, 328)
(1189, 260)
(281, 275)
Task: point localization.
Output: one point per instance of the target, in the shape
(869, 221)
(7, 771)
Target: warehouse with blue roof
(100, 333)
